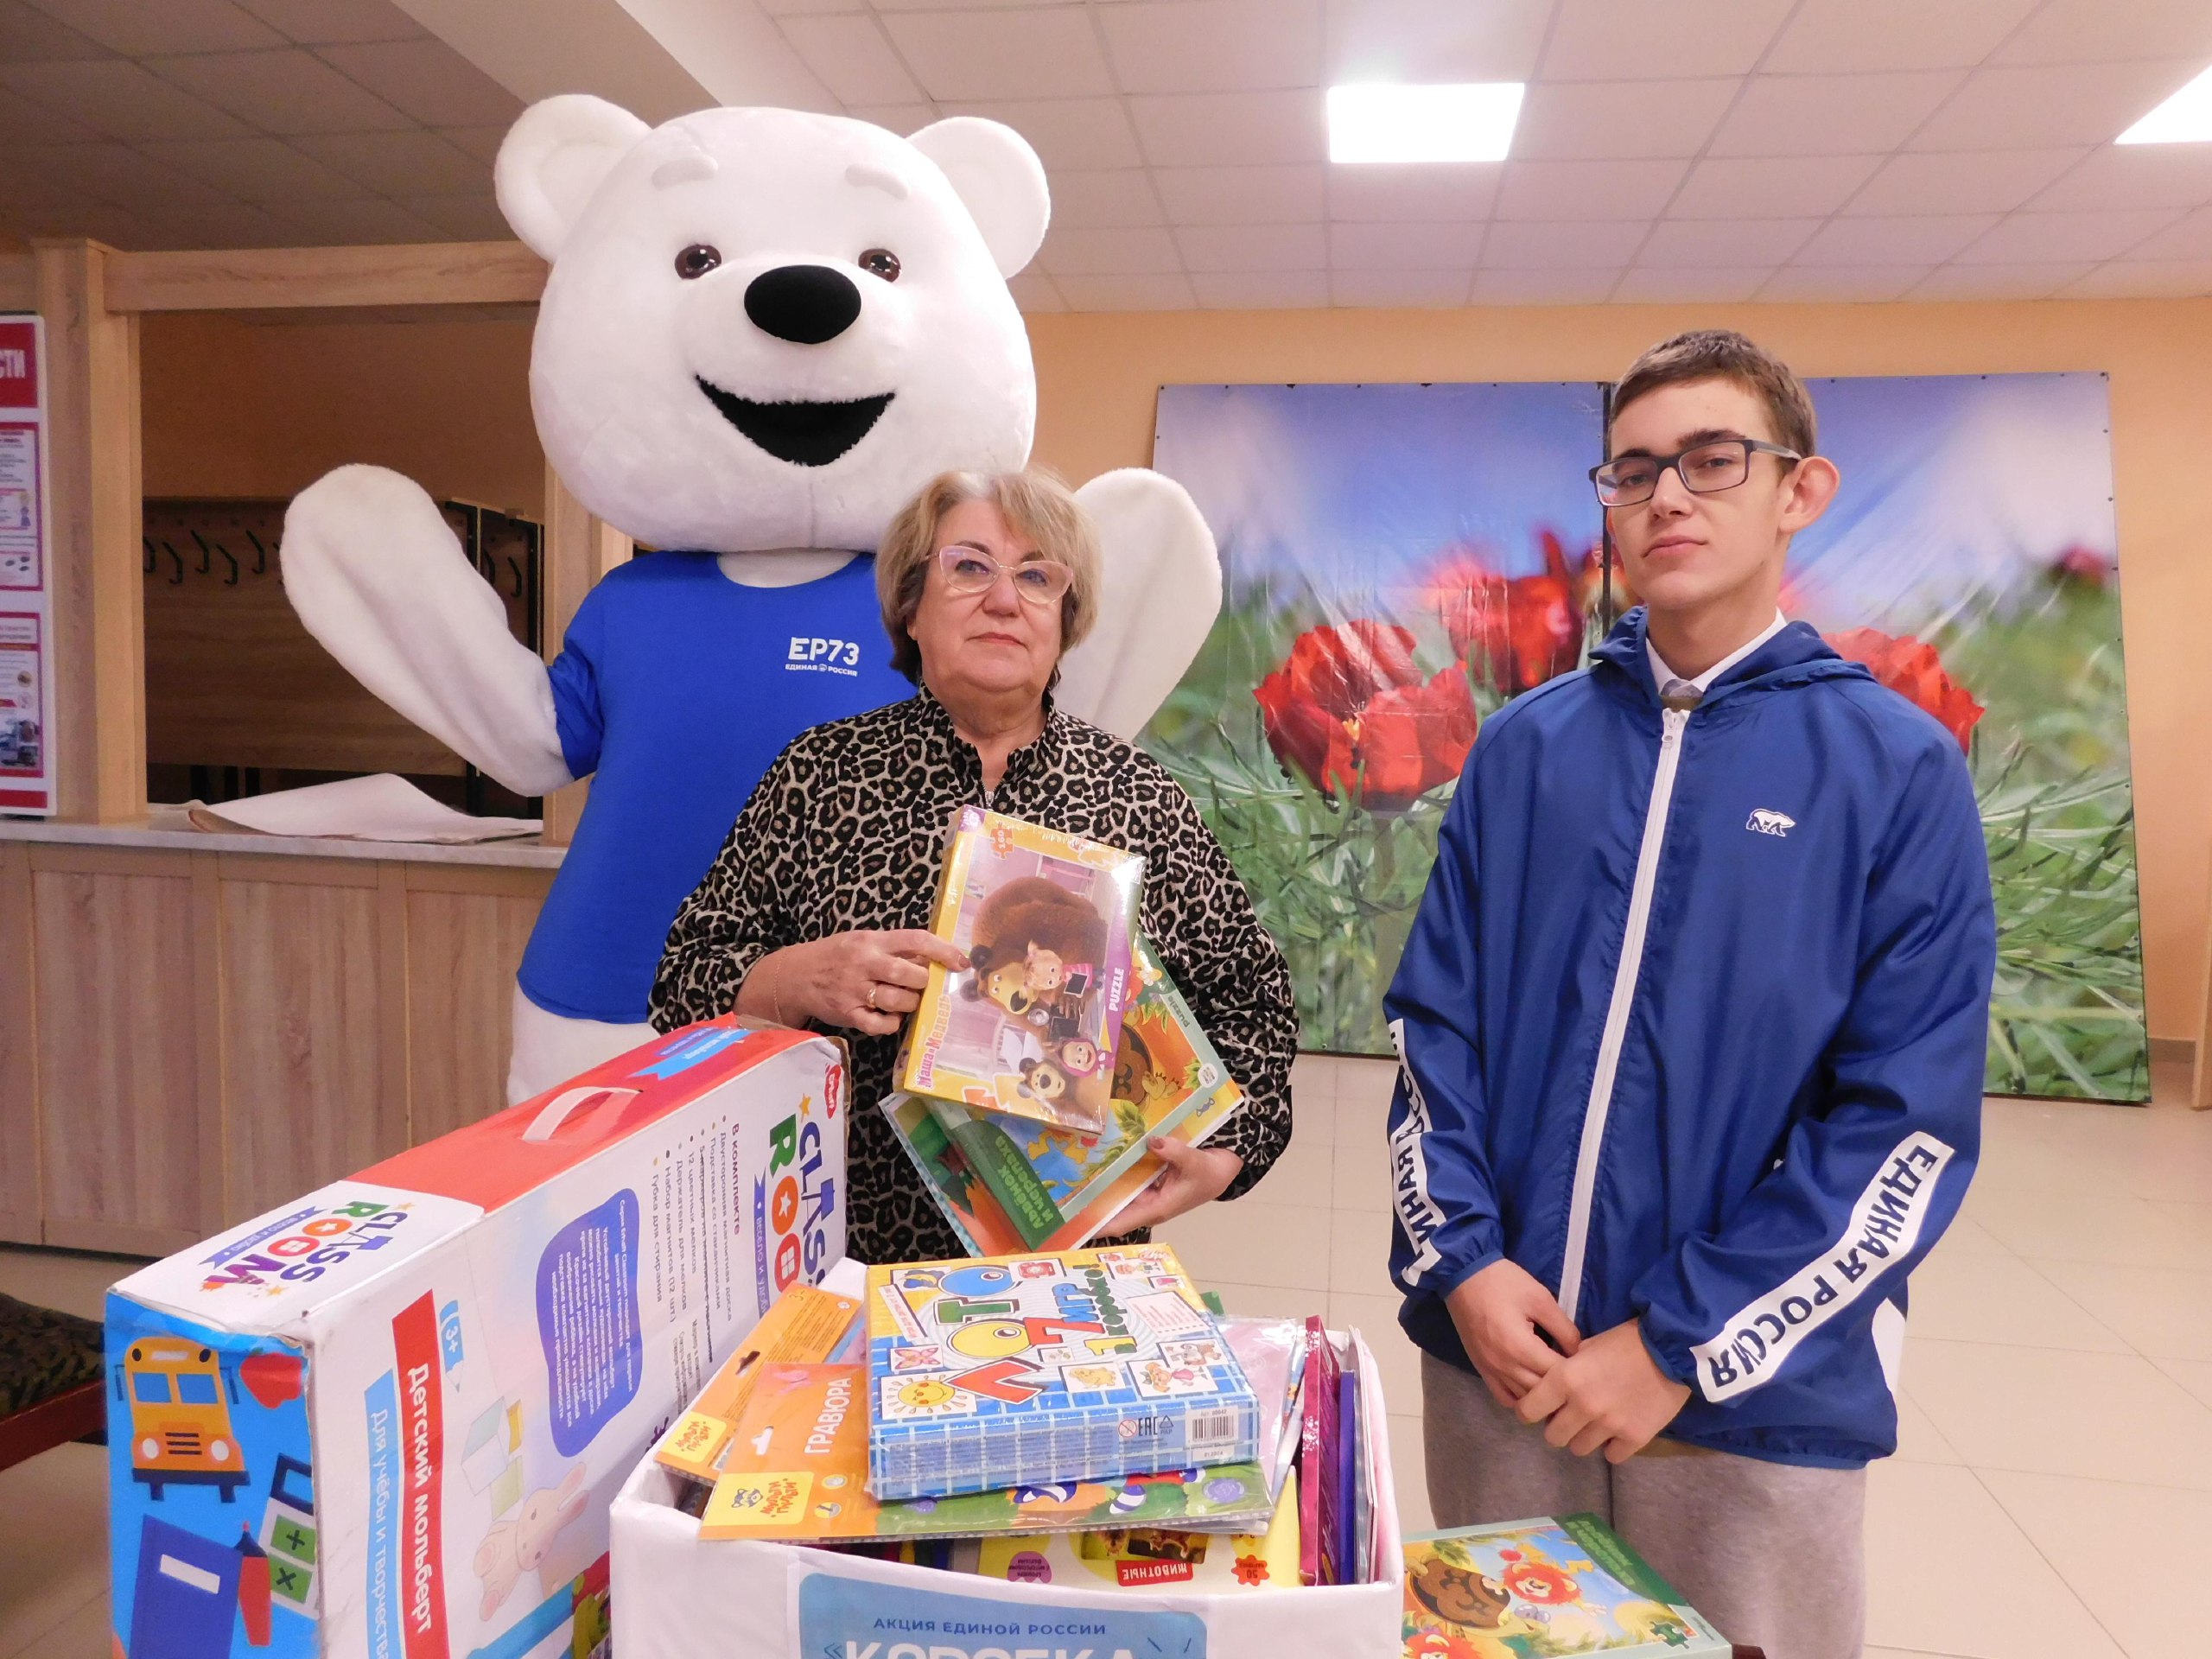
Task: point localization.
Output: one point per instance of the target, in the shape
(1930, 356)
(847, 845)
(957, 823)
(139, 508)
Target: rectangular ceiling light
(2184, 119)
(1471, 122)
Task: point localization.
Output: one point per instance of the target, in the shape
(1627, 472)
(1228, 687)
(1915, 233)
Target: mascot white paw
(763, 332)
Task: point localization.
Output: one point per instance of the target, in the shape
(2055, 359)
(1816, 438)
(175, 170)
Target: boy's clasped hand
(1603, 1392)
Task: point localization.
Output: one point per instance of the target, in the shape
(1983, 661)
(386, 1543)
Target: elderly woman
(815, 910)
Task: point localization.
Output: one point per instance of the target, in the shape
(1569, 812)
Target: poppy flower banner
(1401, 560)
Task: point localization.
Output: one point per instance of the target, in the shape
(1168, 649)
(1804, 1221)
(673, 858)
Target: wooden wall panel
(464, 945)
(19, 1197)
(118, 1052)
(306, 1099)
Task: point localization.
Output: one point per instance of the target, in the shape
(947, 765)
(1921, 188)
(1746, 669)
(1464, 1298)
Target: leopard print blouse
(847, 830)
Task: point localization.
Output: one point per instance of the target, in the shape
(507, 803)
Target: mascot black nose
(804, 304)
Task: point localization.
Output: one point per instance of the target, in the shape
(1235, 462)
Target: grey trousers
(1774, 1553)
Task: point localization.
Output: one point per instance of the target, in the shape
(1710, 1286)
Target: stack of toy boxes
(386, 1420)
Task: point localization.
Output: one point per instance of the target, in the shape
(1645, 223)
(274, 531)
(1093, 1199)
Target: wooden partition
(192, 1036)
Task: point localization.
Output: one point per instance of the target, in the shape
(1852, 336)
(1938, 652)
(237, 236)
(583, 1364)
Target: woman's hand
(1192, 1176)
(867, 980)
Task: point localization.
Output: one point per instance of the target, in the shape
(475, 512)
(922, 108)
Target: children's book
(1061, 1189)
(1032, 1026)
(1082, 1365)
(1317, 1459)
(967, 1204)
(1348, 1556)
(804, 1324)
(1145, 1558)
(1272, 1354)
(1563, 1585)
(797, 1470)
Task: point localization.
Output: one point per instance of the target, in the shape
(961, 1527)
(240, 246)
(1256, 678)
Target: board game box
(1082, 1365)
(796, 1469)
(1060, 1188)
(1560, 1585)
(1032, 1026)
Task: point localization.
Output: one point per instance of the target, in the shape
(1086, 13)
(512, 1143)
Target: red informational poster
(26, 625)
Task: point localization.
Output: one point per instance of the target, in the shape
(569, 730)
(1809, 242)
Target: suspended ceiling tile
(1432, 40)
(1401, 290)
(1033, 291)
(1565, 190)
(1103, 198)
(1066, 133)
(140, 28)
(284, 92)
(904, 119)
(2037, 281)
(428, 80)
(1846, 36)
(1254, 247)
(1777, 187)
(334, 22)
(2135, 176)
(1617, 120)
(2187, 238)
(1133, 251)
(471, 218)
(411, 163)
(854, 58)
(1260, 290)
(1677, 244)
(1832, 115)
(30, 37)
(1536, 285)
(232, 224)
(482, 143)
(1419, 246)
(2090, 31)
(257, 169)
(1230, 128)
(1922, 239)
(2053, 238)
(2029, 108)
(22, 122)
(1242, 195)
(1161, 292)
(1560, 247)
(2144, 279)
(371, 220)
(122, 176)
(1381, 191)
(1960, 181)
(119, 99)
(1213, 46)
(1824, 284)
(1659, 39)
(1674, 285)
(1050, 53)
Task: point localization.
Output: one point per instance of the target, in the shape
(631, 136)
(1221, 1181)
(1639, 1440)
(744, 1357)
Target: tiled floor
(2052, 1495)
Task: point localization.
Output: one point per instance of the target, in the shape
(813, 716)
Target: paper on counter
(386, 807)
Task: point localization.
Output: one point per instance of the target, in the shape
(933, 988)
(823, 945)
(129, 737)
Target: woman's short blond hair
(1036, 504)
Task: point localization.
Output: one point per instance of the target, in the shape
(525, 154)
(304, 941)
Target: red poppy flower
(1349, 710)
(1518, 631)
(2083, 567)
(1911, 667)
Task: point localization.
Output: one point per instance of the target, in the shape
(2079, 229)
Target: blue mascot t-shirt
(688, 685)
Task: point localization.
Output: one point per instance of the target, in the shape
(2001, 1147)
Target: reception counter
(194, 1027)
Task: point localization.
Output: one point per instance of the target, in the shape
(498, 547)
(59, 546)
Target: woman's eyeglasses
(971, 570)
(1720, 465)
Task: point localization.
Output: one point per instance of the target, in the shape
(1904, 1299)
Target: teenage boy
(1691, 1025)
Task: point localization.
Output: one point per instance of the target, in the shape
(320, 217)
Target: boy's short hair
(1723, 354)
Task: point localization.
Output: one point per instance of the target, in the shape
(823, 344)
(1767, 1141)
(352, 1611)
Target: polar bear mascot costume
(763, 332)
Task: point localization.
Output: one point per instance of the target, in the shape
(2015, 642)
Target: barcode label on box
(1204, 1430)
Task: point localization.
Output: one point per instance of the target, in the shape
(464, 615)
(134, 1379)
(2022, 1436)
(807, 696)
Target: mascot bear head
(765, 328)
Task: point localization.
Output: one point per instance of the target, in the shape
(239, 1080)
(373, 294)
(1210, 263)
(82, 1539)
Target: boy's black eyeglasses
(1705, 467)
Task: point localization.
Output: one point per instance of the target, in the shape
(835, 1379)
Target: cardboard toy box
(386, 1421)
(679, 1596)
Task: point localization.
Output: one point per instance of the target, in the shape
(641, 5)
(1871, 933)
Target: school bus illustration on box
(181, 1401)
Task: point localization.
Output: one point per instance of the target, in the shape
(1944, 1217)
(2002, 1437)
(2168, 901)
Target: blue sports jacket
(1692, 1022)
